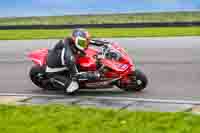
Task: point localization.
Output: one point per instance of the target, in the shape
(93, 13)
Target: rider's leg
(71, 85)
(75, 76)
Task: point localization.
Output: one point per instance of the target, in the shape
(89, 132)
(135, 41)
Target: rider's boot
(72, 85)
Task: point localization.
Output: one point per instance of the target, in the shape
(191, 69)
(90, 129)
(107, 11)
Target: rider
(66, 51)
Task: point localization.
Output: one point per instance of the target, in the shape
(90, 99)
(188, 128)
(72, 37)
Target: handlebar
(104, 51)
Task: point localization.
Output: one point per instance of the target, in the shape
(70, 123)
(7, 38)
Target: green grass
(101, 19)
(101, 32)
(63, 119)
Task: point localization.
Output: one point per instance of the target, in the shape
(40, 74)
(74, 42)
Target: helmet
(81, 38)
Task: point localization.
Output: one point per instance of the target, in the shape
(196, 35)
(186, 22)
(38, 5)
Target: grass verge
(101, 32)
(62, 119)
(105, 18)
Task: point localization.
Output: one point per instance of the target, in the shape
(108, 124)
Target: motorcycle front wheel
(139, 82)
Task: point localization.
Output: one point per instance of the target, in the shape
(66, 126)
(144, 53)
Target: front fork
(128, 79)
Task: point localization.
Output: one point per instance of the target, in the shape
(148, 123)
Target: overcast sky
(61, 7)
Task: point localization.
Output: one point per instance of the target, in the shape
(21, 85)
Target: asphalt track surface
(172, 66)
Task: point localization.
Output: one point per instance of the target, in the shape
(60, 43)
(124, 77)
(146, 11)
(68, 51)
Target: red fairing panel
(125, 58)
(116, 66)
(91, 52)
(39, 57)
(87, 63)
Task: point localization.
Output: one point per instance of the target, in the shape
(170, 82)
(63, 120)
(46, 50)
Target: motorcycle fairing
(116, 66)
(39, 57)
(87, 63)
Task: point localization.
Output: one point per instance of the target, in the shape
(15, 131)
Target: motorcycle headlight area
(113, 55)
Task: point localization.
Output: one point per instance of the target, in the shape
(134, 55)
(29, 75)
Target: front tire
(139, 82)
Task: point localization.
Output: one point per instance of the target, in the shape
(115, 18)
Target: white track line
(108, 98)
(33, 95)
(150, 100)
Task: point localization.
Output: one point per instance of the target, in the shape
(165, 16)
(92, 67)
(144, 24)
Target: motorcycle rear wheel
(36, 75)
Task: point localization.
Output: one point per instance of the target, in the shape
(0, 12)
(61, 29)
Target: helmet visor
(81, 42)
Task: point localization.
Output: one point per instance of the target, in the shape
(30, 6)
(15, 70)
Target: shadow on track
(88, 92)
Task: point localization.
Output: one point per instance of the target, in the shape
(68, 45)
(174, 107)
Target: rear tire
(36, 75)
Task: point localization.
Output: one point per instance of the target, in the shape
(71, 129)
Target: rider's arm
(99, 42)
(67, 56)
(59, 45)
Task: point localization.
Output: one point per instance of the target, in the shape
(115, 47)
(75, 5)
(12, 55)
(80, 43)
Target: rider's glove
(100, 56)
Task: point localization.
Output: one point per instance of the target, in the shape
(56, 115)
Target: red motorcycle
(112, 61)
